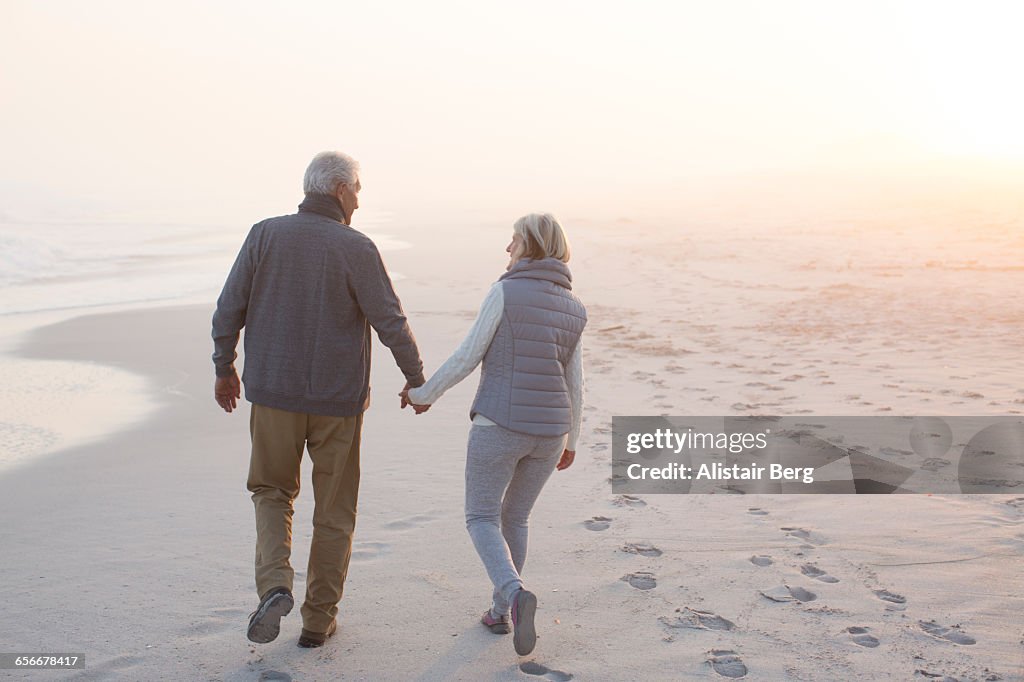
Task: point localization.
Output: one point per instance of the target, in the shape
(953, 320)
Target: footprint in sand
(535, 668)
(216, 624)
(785, 593)
(227, 619)
(891, 597)
(936, 677)
(935, 463)
(274, 676)
(628, 501)
(409, 522)
(697, 620)
(761, 560)
(641, 548)
(1016, 503)
(803, 534)
(861, 637)
(642, 580)
(597, 523)
(812, 571)
(727, 663)
(367, 551)
(756, 511)
(952, 633)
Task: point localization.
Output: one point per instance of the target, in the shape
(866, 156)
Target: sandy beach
(783, 215)
(136, 550)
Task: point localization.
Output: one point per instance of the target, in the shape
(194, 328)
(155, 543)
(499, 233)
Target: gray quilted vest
(522, 379)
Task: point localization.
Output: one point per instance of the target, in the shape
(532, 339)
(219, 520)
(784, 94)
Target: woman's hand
(419, 409)
(567, 459)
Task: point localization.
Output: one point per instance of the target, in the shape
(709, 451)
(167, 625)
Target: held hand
(566, 460)
(419, 409)
(405, 395)
(227, 391)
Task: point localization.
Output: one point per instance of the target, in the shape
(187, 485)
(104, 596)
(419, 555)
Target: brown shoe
(265, 621)
(312, 640)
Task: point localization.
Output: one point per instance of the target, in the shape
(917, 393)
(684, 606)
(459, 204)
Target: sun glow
(660, 101)
(968, 58)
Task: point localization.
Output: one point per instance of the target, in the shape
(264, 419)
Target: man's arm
(377, 299)
(229, 318)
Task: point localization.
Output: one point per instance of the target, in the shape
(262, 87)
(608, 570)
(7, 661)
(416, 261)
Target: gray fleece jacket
(307, 288)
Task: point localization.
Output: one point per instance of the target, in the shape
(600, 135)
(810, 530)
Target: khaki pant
(278, 439)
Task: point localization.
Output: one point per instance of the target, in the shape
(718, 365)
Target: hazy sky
(205, 110)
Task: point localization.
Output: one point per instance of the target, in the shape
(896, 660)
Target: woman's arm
(469, 353)
(574, 380)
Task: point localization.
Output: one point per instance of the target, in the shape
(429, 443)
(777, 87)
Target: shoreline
(99, 385)
(55, 401)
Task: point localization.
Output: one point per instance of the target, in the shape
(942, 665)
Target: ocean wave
(23, 258)
(47, 267)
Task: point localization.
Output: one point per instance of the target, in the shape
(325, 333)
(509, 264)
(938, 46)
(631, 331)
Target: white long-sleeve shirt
(471, 351)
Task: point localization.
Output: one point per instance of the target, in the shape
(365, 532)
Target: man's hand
(566, 460)
(419, 409)
(405, 395)
(227, 391)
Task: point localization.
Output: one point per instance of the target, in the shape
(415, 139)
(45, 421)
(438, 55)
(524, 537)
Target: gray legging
(505, 472)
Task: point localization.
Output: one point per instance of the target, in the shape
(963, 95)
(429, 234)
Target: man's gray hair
(327, 170)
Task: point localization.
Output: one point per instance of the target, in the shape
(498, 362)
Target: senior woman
(527, 411)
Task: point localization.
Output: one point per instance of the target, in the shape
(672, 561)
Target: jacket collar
(323, 204)
(548, 269)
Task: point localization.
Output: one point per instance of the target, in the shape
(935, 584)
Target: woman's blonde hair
(542, 237)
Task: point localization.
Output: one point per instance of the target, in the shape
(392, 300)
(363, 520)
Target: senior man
(307, 288)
